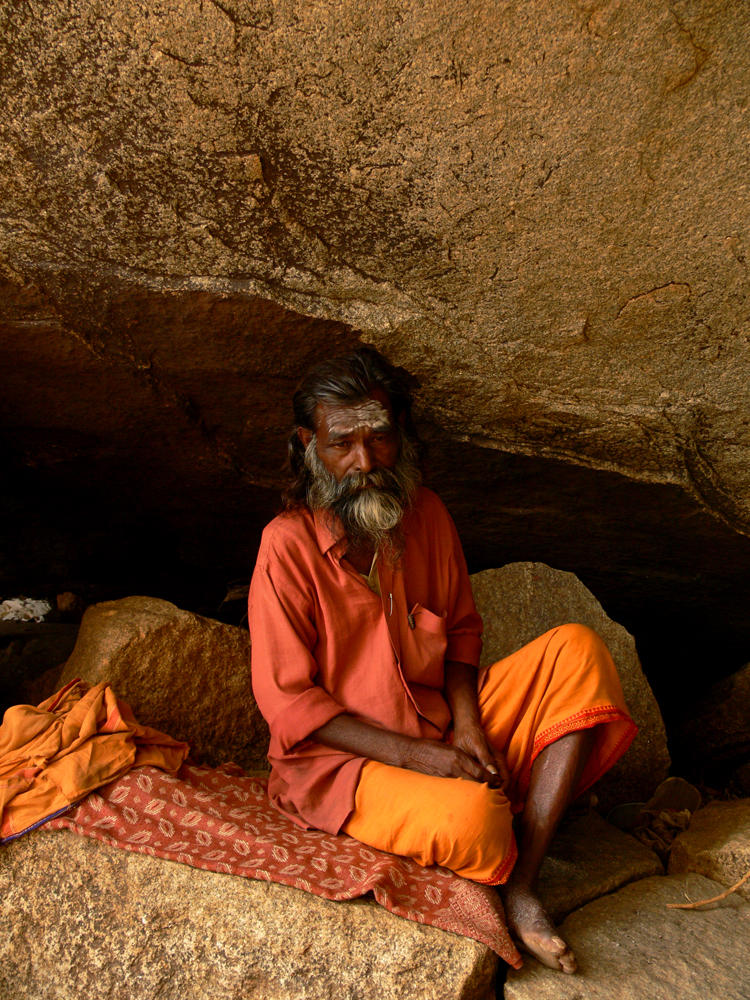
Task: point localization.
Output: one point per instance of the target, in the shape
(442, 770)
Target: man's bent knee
(575, 632)
(581, 642)
(478, 837)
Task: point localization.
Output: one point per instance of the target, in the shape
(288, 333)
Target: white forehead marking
(347, 419)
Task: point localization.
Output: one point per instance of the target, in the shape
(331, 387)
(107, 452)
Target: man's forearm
(344, 732)
(432, 757)
(461, 692)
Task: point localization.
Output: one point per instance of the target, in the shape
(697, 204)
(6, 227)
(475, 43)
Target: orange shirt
(323, 644)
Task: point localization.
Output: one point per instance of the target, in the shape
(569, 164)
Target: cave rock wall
(539, 208)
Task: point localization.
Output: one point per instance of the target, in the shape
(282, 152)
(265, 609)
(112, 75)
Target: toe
(557, 946)
(568, 962)
(553, 952)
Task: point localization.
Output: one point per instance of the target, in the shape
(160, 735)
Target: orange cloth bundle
(81, 738)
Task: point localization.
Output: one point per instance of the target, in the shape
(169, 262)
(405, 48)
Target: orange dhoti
(562, 682)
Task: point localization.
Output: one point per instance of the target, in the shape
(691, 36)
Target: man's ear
(305, 435)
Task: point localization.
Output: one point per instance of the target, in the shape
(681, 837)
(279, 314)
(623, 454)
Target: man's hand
(468, 735)
(452, 761)
(470, 739)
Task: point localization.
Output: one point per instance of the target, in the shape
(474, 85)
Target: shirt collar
(329, 532)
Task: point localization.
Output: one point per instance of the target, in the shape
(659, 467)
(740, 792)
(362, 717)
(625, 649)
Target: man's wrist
(465, 714)
(403, 750)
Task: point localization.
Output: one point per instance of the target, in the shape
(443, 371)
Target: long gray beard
(369, 505)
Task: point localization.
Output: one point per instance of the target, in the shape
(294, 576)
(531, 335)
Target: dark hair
(347, 379)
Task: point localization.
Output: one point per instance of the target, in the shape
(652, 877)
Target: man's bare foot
(528, 921)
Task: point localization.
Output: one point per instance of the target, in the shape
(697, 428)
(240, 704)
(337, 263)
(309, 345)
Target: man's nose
(363, 459)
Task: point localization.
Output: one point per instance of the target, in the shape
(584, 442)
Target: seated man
(365, 645)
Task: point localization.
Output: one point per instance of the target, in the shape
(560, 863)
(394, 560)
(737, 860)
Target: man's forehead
(347, 417)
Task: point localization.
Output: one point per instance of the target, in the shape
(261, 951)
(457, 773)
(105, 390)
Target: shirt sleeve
(282, 637)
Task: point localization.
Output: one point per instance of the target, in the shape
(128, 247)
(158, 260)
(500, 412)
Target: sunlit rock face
(539, 209)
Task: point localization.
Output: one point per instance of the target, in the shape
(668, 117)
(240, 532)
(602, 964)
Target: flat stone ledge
(717, 845)
(631, 947)
(92, 920)
(590, 858)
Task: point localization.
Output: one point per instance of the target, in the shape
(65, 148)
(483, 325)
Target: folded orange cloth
(79, 739)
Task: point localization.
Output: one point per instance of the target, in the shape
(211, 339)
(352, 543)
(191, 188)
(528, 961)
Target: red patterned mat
(221, 820)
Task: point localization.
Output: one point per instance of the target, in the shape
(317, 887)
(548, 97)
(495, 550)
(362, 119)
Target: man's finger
(493, 765)
(495, 778)
(471, 767)
(488, 769)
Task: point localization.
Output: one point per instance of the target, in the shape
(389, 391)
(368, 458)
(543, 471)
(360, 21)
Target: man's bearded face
(363, 470)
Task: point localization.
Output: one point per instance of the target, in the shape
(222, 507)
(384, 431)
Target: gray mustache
(382, 479)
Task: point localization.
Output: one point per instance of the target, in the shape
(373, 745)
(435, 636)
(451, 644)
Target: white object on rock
(24, 609)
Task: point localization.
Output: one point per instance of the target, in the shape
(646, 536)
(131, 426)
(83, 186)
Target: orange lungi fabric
(561, 682)
(79, 739)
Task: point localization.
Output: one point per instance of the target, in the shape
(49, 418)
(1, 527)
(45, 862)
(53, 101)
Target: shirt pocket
(424, 646)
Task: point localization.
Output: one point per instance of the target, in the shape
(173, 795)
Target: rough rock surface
(717, 844)
(186, 675)
(629, 946)
(520, 601)
(512, 202)
(91, 920)
(540, 210)
(588, 859)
